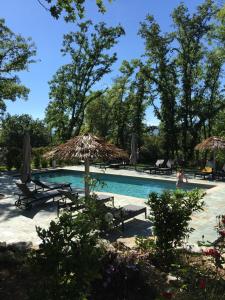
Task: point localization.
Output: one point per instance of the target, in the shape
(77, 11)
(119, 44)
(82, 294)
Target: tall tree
(138, 99)
(120, 106)
(71, 85)
(198, 69)
(16, 54)
(185, 68)
(121, 111)
(98, 118)
(161, 73)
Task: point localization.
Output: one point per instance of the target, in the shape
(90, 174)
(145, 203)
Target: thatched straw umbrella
(88, 148)
(26, 169)
(212, 143)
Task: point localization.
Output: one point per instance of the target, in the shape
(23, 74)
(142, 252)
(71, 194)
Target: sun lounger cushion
(130, 211)
(127, 212)
(50, 185)
(207, 170)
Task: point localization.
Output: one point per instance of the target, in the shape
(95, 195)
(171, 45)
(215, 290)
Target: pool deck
(17, 225)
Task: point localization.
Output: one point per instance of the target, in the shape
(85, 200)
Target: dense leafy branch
(70, 8)
(16, 54)
(72, 83)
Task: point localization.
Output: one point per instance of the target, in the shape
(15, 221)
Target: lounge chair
(167, 169)
(116, 165)
(126, 212)
(50, 186)
(101, 165)
(158, 164)
(120, 215)
(207, 171)
(75, 203)
(220, 174)
(28, 197)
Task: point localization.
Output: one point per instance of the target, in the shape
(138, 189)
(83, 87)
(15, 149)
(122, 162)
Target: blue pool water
(124, 185)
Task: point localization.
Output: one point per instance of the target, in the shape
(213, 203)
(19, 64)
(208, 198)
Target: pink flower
(167, 295)
(212, 252)
(222, 233)
(202, 284)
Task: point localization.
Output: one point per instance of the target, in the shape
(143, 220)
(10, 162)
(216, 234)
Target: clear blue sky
(29, 19)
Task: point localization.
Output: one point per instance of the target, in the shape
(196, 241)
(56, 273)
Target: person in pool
(180, 178)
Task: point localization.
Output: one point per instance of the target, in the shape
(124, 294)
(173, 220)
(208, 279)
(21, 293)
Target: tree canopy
(16, 54)
(14, 127)
(186, 68)
(179, 75)
(70, 88)
(120, 112)
(12, 133)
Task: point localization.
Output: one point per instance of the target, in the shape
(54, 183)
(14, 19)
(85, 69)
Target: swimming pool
(116, 184)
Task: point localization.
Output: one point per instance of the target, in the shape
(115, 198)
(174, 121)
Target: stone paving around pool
(17, 225)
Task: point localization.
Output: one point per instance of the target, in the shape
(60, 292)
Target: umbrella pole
(86, 178)
(214, 159)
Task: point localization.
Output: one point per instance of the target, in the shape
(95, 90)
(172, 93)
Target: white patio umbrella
(26, 168)
(87, 148)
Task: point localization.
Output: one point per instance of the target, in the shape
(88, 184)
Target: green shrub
(145, 244)
(37, 162)
(151, 149)
(13, 158)
(69, 259)
(170, 213)
(44, 163)
(9, 162)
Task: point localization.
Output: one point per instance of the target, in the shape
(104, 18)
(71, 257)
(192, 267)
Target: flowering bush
(128, 275)
(216, 250)
(212, 252)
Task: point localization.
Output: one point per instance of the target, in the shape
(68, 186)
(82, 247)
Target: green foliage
(185, 73)
(44, 163)
(70, 8)
(37, 161)
(170, 214)
(15, 56)
(11, 136)
(98, 117)
(68, 259)
(37, 157)
(151, 150)
(163, 80)
(145, 244)
(70, 88)
(119, 113)
(13, 158)
(13, 128)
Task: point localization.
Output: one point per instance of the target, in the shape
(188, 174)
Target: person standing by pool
(180, 178)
